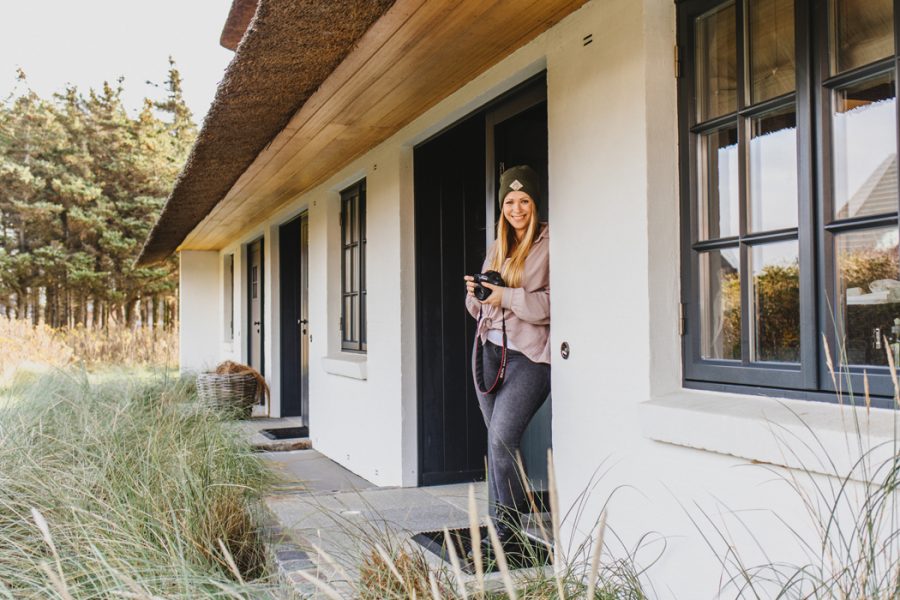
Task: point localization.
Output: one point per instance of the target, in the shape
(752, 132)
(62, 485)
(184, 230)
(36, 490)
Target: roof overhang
(242, 169)
(238, 21)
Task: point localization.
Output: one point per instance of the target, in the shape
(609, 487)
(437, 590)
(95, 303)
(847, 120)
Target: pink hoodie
(528, 307)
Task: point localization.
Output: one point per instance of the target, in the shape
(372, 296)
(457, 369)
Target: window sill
(346, 365)
(813, 436)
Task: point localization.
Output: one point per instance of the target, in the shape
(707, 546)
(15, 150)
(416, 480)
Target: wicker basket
(229, 392)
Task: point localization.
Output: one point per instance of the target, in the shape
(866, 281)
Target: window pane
(348, 318)
(347, 283)
(773, 171)
(863, 32)
(345, 223)
(354, 318)
(716, 61)
(771, 39)
(865, 148)
(868, 276)
(776, 302)
(362, 273)
(718, 179)
(362, 318)
(354, 221)
(720, 304)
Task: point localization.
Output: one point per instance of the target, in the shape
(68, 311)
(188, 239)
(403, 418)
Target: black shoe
(512, 542)
(487, 551)
(508, 525)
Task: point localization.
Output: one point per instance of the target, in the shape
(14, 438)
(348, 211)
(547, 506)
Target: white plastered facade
(618, 404)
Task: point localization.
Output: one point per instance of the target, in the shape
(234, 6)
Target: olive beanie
(521, 178)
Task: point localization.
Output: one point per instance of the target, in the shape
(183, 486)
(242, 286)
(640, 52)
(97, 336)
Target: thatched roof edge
(238, 21)
(289, 49)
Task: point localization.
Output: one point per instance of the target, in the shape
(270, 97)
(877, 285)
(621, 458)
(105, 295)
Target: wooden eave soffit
(418, 53)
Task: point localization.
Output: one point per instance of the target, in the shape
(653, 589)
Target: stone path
(323, 506)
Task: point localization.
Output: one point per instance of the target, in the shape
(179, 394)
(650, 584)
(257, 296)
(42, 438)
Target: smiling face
(517, 210)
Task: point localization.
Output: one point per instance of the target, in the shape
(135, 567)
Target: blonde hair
(508, 246)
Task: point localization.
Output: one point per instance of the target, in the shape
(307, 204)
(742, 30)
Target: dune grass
(850, 542)
(124, 488)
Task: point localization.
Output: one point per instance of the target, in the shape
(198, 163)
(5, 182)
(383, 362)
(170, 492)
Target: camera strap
(479, 364)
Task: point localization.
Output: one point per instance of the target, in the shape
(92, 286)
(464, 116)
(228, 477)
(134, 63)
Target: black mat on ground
(533, 553)
(284, 433)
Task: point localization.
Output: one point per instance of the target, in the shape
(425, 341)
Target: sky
(84, 42)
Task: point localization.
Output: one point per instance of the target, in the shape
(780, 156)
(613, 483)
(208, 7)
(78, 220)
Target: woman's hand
(496, 294)
(496, 291)
(470, 285)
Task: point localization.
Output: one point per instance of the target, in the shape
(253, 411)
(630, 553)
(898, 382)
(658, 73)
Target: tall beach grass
(125, 489)
(851, 500)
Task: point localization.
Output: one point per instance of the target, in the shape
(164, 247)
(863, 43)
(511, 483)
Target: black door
(456, 208)
(293, 277)
(450, 216)
(255, 304)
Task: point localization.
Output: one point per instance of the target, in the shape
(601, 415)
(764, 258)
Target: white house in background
(698, 158)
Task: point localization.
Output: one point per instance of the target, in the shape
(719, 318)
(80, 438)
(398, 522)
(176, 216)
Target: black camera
(492, 277)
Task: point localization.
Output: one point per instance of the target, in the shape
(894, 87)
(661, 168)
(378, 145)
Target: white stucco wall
(613, 180)
(199, 309)
(363, 407)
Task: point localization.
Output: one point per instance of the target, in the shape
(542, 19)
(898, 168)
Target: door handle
(302, 322)
(256, 323)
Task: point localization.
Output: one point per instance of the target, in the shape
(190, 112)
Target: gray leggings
(507, 413)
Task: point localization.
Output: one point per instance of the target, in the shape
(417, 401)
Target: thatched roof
(289, 49)
(238, 21)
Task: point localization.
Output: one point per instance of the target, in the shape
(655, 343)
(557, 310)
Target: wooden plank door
(294, 292)
(449, 221)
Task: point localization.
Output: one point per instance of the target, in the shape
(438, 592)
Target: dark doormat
(533, 553)
(284, 433)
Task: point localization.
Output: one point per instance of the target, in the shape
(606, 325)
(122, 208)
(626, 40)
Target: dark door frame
(517, 131)
(305, 337)
(522, 97)
(496, 112)
(262, 303)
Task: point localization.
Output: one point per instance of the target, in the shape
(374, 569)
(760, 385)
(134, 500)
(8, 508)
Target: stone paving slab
(421, 518)
(458, 495)
(311, 472)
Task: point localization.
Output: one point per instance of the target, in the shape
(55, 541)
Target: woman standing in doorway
(511, 359)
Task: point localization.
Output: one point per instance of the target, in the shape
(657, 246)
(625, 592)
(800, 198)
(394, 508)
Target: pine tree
(81, 184)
